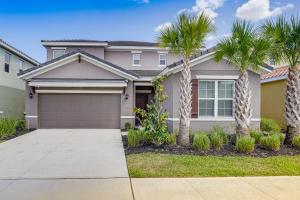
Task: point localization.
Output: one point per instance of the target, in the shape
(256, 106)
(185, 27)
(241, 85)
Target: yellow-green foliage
(216, 141)
(172, 139)
(245, 144)
(135, 137)
(296, 141)
(201, 142)
(256, 134)
(269, 125)
(7, 127)
(271, 142)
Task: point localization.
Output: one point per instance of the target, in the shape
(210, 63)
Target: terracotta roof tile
(277, 72)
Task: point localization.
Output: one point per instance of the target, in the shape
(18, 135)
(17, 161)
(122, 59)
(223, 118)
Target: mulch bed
(227, 150)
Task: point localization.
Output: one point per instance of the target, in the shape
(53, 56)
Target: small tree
(154, 120)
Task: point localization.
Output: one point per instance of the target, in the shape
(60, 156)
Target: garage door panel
(79, 110)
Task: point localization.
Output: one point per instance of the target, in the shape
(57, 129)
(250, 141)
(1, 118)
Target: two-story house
(96, 84)
(12, 89)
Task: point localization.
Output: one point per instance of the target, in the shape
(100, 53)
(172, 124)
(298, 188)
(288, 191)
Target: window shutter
(194, 98)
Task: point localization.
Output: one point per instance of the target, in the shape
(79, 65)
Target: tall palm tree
(245, 50)
(284, 36)
(185, 38)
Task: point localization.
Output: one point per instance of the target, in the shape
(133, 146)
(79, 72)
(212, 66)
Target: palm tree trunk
(185, 104)
(243, 110)
(292, 104)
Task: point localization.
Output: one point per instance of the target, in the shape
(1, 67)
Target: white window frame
(134, 59)
(58, 49)
(159, 59)
(21, 65)
(9, 60)
(216, 98)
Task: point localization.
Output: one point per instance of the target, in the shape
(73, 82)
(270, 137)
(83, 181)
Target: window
(21, 65)
(216, 98)
(58, 52)
(6, 62)
(136, 59)
(162, 59)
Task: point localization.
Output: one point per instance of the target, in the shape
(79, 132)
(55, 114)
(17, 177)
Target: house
(12, 89)
(96, 84)
(273, 95)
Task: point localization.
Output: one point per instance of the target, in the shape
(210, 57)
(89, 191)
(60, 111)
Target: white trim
(60, 48)
(72, 58)
(140, 59)
(79, 91)
(136, 52)
(142, 84)
(218, 77)
(136, 65)
(143, 91)
(127, 117)
(74, 43)
(159, 54)
(162, 52)
(135, 48)
(274, 79)
(31, 116)
(53, 50)
(77, 84)
(19, 53)
(227, 119)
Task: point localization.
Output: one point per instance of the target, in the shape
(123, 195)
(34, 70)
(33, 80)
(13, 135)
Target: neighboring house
(96, 84)
(273, 95)
(12, 89)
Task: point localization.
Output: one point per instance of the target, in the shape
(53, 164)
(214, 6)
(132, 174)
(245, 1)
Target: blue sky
(25, 23)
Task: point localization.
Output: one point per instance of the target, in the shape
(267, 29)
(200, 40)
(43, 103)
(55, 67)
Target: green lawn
(164, 165)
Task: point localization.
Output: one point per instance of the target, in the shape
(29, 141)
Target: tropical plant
(246, 50)
(154, 120)
(256, 135)
(185, 38)
(220, 131)
(135, 137)
(284, 35)
(7, 127)
(269, 125)
(245, 144)
(271, 142)
(216, 141)
(201, 142)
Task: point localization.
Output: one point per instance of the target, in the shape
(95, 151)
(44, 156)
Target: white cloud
(141, 1)
(255, 10)
(163, 26)
(208, 6)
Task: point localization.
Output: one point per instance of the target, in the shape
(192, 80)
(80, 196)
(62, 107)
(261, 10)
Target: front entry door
(141, 102)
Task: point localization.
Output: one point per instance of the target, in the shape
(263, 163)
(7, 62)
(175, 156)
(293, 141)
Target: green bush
(171, 140)
(296, 141)
(280, 135)
(220, 131)
(201, 142)
(271, 142)
(135, 137)
(245, 144)
(256, 134)
(216, 141)
(21, 125)
(127, 126)
(7, 127)
(269, 125)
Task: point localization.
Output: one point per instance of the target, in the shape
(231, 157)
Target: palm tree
(245, 50)
(284, 36)
(185, 38)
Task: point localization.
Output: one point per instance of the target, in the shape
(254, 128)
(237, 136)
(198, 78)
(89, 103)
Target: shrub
(127, 126)
(216, 141)
(201, 142)
(256, 134)
(171, 140)
(280, 135)
(21, 125)
(296, 141)
(135, 137)
(271, 142)
(7, 127)
(269, 125)
(245, 144)
(220, 131)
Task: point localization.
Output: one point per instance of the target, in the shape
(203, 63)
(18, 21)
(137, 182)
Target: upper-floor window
(21, 65)
(162, 59)
(6, 61)
(58, 52)
(136, 59)
(216, 98)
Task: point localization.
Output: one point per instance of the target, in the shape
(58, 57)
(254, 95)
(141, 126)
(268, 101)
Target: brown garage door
(79, 111)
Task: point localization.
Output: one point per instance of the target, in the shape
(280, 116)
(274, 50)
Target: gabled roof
(19, 53)
(77, 52)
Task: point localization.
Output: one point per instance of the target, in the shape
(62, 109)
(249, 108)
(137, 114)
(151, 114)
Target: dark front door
(141, 102)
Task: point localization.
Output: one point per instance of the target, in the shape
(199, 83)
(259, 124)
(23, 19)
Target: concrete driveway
(73, 162)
